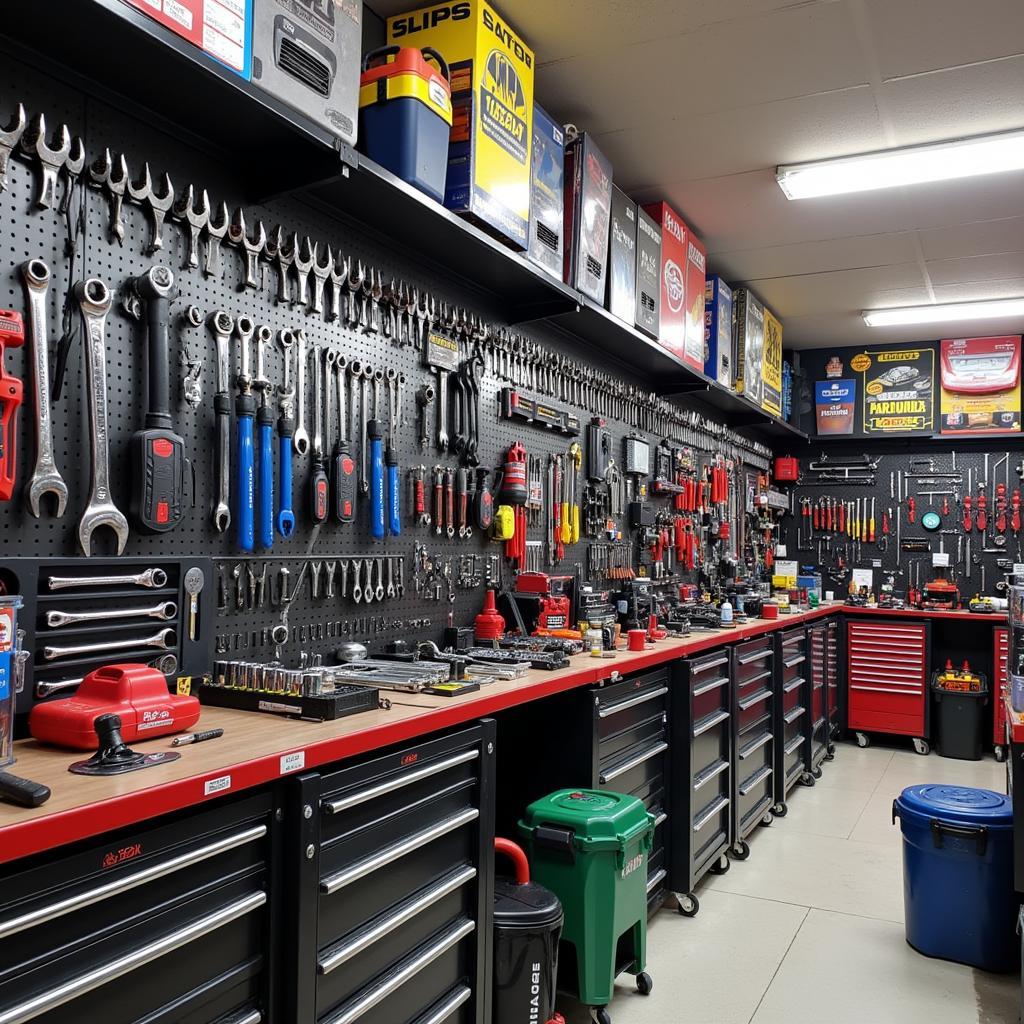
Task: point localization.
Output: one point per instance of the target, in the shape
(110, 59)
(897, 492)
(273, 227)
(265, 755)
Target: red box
(787, 469)
(696, 268)
(673, 281)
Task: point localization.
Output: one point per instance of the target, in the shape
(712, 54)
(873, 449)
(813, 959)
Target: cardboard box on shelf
(771, 364)
(622, 257)
(588, 202)
(648, 274)
(696, 271)
(672, 334)
(547, 193)
(749, 318)
(718, 359)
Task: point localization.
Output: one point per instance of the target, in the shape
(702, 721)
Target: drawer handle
(794, 685)
(709, 722)
(251, 1017)
(640, 698)
(661, 819)
(395, 851)
(719, 805)
(703, 666)
(714, 684)
(888, 689)
(794, 744)
(754, 779)
(404, 913)
(757, 698)
(130, 961)
(792, 715)
(760, 655)
(655, 880)
(755, 746)
(790, 662)
(119, 885)
(377, 992)
(766, 674)
(621, 769)
(701, 780)
(452, 1002)
(343, 803)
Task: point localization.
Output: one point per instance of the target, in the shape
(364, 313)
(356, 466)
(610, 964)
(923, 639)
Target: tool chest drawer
(887, 674)
(832, 678)
(627, 713)
(391, 862)
(751, 661)
(1000, 685)
(168, 923)
(793, 669)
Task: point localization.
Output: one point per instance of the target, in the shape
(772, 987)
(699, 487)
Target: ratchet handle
(246, 476)
(265, 481)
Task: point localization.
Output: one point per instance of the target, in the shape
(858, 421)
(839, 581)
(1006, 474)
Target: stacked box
(489, 168)
(673, 280)
(749, 317)
(771, 365)
(622, 257)
(588, 201)
(696, 270)
(718, 360)
(547, 193)
(648, 274)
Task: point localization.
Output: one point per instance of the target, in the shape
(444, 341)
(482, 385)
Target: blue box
(718, 361)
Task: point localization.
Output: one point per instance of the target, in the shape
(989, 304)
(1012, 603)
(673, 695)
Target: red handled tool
(1000, 508)
(1015, 511)
(982, 521)
(968, 514)
(911, 510)
(12, 335)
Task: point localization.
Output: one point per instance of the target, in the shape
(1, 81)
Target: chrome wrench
(150, 578)
(164, 639)
(222, 326)
(300, 439)
(166, 663)
(45, 479)
(94, 298)
(165, 610)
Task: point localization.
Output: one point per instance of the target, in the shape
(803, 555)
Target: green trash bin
(590, 848)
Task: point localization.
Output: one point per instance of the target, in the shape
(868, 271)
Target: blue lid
(960, 804)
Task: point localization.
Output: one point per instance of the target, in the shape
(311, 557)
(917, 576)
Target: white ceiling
(697, 101)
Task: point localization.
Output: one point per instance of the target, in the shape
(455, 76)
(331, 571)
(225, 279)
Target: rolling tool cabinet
(816, 730)
(833, 689)
(1000, 688)
(753, 740)
(390, 861)
(700, 794)
(172, 923)
(887, 679)
(791, 725)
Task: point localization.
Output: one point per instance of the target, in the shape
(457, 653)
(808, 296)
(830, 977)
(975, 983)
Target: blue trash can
(958, 875)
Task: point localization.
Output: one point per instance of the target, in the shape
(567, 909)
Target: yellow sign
(771, 364)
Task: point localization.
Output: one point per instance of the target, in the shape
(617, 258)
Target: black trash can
(527, 927)
(960, 717)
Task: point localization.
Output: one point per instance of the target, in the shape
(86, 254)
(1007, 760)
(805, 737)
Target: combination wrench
(165, 639)
(46, 479)
(94, 299)
(222, 326)
(166, 663)
(165, 610)
(300, 439)
(149, 578)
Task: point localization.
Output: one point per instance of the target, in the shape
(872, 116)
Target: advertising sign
(898, 389)
(835, 405)
(980, 385)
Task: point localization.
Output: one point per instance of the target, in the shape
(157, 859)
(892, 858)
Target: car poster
(897, 386)
(980, 380)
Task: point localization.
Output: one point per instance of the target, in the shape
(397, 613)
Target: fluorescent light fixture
(943, 313)
(913, 165)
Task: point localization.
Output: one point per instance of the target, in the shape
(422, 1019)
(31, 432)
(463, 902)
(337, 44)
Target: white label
(1018, 568)
(224, 21)
(223, 49)
(863, 578)
(940, 559)
(293, 762)
(218, 785)
(155, 4)
(780, 549)
(235, 6)
(785, 568)
(179, 13)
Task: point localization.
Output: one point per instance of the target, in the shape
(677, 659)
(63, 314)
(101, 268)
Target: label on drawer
(293, 762)
(217, 785)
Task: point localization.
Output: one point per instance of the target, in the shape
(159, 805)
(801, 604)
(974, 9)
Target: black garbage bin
(527, 927)
(960, 717)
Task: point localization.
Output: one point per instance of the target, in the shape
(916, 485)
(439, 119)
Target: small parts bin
(591, 848)
(527, 924)
(958, 875)
(405, 115)
(959, 700)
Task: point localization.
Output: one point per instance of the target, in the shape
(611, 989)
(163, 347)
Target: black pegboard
(316, 626)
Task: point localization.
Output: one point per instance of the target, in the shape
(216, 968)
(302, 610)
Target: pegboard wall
(316, 626)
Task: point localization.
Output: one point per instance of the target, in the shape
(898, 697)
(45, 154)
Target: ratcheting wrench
(164, 639)
(150, 578)
(222, 326)
(300, 439)
(94, 298)
(165, 610)
(46, 479)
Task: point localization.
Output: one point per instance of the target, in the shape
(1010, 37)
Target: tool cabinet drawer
(392, 866)
(887, 671)
(165, 923)
(753, 798)
(710, 823)
(1000, 684)
(635, 766)
(710, 741)
(753, 707)
(624, 709)
(750, 660)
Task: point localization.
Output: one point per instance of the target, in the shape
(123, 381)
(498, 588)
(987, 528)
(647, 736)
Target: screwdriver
(343, 469)
(376, 453)
(245, 411)
(318, 470)
(871, 524)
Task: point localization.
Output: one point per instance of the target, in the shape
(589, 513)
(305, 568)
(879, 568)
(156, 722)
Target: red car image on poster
(980, 380)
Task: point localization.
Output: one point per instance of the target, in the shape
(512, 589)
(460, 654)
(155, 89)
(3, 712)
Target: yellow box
(784, 582)
(771, 365)
(492, 107)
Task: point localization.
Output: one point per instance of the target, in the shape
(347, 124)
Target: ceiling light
(943, 313)
(913, 165)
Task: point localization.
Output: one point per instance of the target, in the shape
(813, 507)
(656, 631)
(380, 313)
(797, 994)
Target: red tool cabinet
(1000, 685)
(887, 679)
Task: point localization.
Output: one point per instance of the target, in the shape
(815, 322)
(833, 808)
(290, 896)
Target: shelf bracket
(541, 309)
(679, 388)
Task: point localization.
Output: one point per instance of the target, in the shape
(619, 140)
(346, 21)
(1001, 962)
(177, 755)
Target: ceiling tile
(976, 269)
(976, 291)
(978, 238)
(912, 36)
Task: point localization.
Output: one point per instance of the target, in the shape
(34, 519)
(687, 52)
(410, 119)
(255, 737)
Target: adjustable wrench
(94, 299)
(103, 174)
(165, 610)
(149, 578)
(301, 438)
(9, 138)
(51, 158)
(164, 639)
(46, 479)
(222, 326)
(215, 232)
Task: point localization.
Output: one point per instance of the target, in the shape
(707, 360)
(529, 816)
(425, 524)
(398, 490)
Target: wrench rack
(31, 233)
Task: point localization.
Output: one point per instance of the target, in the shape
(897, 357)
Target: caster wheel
(807, 779)
(766, 820)
(1000, 753)
(689, 905)
(831, 751)
(830, 757)
(922, 747)
(740, 850)
(816, 772)
(599, 1015)
(721, 866)
(644, 985)
(863, 740)
(781, 809)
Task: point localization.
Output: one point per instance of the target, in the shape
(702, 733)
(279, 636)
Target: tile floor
(810, 928)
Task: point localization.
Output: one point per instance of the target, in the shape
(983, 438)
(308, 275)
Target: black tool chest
(791, 712)
(168, 923)
(702, 772)
(833, 682)
(390, 878)
(753, 739)
(818, 719)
